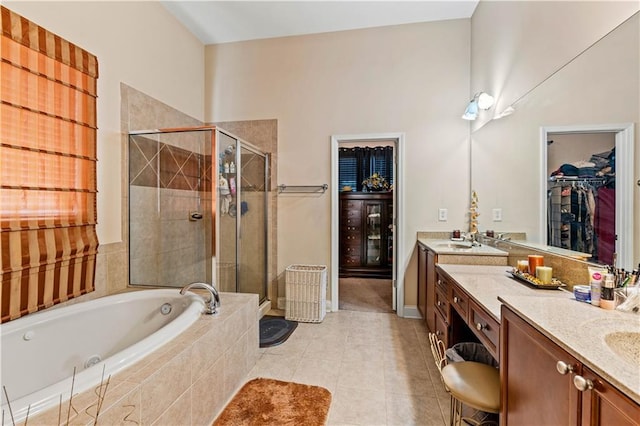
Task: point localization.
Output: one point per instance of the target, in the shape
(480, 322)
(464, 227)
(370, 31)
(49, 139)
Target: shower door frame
(241, 143)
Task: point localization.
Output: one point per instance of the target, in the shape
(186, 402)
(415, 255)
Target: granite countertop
(577, 327)
(443, 246)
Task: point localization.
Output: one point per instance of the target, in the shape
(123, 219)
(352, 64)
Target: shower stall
(198, 210)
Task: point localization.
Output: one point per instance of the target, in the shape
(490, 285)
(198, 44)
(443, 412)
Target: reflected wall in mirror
(598, 86)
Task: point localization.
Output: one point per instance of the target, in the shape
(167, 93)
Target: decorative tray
(533, 281)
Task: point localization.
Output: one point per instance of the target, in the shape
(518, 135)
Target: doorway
(620, 190)
(377, 212)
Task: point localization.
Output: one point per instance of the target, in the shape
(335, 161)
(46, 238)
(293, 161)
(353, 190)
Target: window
(358, 163)
(47, 168)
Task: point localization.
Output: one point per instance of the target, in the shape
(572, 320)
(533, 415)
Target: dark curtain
(358, 163)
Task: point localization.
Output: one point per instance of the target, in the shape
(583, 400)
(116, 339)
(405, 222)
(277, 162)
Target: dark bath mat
(275, 330)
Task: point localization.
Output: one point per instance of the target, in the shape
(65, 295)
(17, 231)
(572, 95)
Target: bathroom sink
(625, 344)
(456, 245)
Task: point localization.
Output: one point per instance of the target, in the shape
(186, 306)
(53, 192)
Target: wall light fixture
(481, 100)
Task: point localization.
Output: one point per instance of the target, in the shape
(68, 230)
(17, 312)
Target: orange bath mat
(274, 402)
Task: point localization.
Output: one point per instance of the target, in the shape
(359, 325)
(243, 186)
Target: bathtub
(40, 351)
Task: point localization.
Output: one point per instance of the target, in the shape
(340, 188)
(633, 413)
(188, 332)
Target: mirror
(597, 89)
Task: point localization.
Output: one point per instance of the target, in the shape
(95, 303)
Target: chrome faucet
(210, 306)
(472, 237)
(504, 237)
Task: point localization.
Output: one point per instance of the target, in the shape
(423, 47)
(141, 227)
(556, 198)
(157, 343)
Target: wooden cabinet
(427, 260)
(422, 282)
(366, 237)
(486, 328)
(539, 383)
(603, 404)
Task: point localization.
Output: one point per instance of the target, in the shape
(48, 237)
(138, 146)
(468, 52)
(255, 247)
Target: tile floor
(378, 368)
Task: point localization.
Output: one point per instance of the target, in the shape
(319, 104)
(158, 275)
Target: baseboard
(411, 311)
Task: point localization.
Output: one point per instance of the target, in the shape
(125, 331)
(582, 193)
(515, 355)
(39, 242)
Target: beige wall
(137, 43)
(600, 86)
(409, 78)
(515, 45)
(569, 148)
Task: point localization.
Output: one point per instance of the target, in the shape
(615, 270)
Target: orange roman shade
(48, 241)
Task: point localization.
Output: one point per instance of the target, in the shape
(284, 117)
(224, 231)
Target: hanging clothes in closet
(580, 217)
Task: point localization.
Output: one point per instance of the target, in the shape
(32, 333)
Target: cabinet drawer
(442, 305)
(345, 229)
(460, 301)
(441, 329)
(351, 250)
(348, 260)
(485, 327)
(351, 237)
(352, 221)
(442, 284)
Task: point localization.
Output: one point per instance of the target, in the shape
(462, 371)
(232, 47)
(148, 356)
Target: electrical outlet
(497, 215)
(442, 215)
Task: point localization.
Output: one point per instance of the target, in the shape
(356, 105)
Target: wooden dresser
(366, 234)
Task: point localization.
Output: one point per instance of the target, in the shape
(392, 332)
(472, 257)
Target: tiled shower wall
(169, 179)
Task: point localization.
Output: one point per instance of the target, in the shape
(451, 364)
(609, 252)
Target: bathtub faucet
(210, 306)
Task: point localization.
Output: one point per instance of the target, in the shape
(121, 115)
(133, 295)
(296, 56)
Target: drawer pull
(564, 368)
(440, 303)
(480, 326)
(455, 299)
(439, 333)
(582, 384)
(440, 282)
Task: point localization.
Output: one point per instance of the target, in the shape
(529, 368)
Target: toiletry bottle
(232, 167)
(607, 297)
(595, 281)
(226, 167)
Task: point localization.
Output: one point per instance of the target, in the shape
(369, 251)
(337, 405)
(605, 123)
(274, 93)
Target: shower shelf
(302, 188)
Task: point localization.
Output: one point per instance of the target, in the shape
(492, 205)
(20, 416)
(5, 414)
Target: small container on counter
(582, 293)
(607, 297)
(595, 276)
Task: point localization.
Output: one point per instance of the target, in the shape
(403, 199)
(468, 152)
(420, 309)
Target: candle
(535, 260)
(543, 273)
(523, 266)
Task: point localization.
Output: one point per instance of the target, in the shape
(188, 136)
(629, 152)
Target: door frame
(625, 137)
(398, 206)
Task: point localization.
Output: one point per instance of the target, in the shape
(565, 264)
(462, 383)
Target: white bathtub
(40, 351)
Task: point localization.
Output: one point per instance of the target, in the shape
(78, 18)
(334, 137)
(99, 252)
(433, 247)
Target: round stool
(475, 385)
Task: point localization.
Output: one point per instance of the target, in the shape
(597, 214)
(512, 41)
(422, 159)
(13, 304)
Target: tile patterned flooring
(377, 366)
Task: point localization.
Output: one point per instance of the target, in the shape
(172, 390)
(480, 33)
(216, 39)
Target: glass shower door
(227, 249)
(252, 211)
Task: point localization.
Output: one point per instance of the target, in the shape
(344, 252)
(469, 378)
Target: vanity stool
(469, 383)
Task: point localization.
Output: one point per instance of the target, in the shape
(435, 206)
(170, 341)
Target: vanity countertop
(577, 327)
(449, 247)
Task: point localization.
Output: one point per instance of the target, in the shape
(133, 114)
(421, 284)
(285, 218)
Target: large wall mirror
(597, 92)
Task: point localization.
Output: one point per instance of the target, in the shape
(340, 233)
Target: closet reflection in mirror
(581, 194)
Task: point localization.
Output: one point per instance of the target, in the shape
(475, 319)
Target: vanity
(561, 361)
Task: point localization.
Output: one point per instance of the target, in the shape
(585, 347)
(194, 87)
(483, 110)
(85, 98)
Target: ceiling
(216, 22)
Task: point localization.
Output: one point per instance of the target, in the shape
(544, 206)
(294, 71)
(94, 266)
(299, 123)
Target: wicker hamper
(306, 293)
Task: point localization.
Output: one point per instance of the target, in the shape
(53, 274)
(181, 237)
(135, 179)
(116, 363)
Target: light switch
(442, 215)
(497, 215)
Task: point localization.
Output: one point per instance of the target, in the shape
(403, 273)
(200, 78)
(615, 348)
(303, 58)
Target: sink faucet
(213, 303)
(504, 237)
(473, 238)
